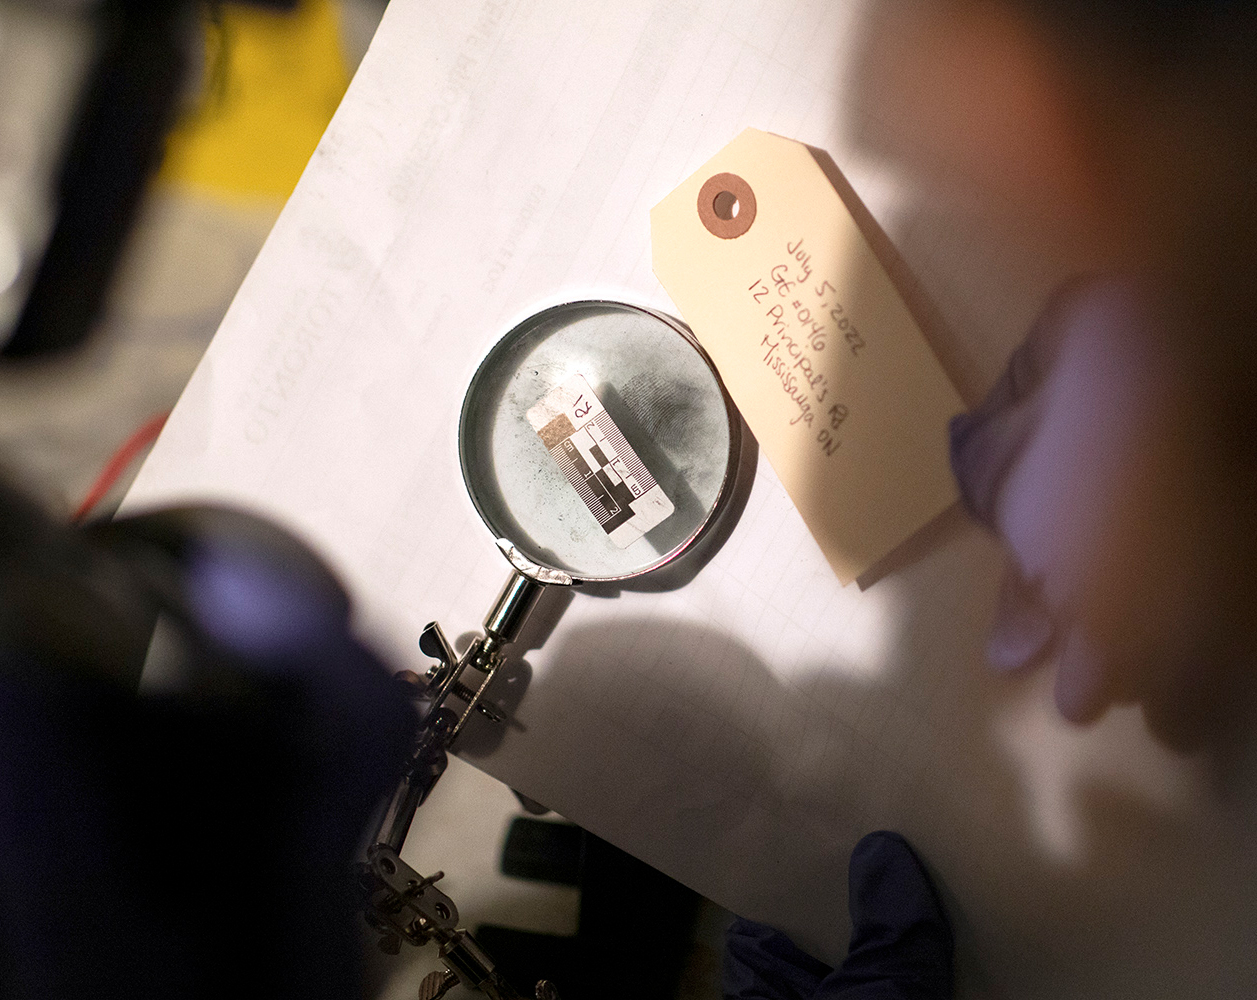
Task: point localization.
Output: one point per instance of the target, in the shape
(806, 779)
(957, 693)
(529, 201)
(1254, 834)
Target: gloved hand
(1101, 459)
(901, 941)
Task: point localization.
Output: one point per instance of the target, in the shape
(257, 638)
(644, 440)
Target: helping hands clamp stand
(694, 427)
(401, 904)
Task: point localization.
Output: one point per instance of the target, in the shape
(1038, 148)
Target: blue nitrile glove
(901, 943)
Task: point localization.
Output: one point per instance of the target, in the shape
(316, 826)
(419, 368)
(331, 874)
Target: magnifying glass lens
(596, 437)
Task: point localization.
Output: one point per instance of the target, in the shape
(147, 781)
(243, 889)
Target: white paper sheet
(742, 731)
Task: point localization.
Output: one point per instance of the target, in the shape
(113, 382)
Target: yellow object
(272, 82)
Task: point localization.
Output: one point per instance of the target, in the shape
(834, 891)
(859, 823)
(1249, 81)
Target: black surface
(635, 928)
(543, 851)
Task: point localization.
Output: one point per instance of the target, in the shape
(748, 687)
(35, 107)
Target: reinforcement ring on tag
(726, 206)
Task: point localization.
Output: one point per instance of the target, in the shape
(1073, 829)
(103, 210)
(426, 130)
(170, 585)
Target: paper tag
(601, 466)
(814, 344)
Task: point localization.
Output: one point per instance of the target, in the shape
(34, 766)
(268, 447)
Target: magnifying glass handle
(503, 624)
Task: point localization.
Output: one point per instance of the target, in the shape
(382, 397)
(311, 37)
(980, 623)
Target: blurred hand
(1097, 460)
(207, 823)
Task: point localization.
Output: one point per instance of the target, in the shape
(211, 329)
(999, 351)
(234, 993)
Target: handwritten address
(806, 321)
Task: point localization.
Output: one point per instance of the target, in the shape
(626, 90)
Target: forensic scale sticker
(601, 466)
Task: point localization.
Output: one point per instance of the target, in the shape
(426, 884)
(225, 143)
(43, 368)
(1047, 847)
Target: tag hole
(726, 206)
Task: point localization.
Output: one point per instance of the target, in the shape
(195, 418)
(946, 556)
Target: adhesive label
(599, 463)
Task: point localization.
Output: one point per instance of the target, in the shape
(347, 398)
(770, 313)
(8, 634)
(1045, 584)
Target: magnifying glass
(598, 444)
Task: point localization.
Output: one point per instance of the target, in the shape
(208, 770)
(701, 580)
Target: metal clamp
(399, 903)
(485, 655)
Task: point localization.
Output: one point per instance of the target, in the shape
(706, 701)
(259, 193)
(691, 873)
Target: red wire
(145, 435)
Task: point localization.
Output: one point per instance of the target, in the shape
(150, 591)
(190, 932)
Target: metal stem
(504, 623)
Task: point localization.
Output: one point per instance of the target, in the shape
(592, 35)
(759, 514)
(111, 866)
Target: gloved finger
(987, 441)
(1023, 632)
(762, 963)
(1083, 680)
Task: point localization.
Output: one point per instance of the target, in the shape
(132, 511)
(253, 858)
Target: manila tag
(814, 343)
